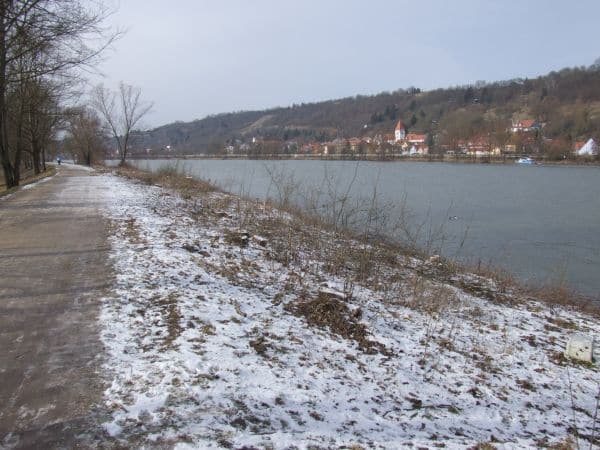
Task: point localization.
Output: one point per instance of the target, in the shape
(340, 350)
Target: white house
(590, 148)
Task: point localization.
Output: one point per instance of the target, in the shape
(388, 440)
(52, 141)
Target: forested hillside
(565, 103)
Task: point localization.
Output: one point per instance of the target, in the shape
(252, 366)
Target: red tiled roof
(527, 123)
(400, 126)
(413, 137)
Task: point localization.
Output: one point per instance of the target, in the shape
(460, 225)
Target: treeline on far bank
(565, 103)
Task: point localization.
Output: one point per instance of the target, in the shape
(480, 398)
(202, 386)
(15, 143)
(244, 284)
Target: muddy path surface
(53, 273)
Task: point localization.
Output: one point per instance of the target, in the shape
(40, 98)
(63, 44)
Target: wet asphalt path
(53, 273)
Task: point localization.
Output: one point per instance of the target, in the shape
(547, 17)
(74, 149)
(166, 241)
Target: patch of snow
(34, 184)
(81, 167)
(580, 347)
(7, 196)
(204, 353)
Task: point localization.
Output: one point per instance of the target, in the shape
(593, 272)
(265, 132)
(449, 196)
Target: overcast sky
(198, 57)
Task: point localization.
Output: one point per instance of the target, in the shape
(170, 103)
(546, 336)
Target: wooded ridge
(565, 104)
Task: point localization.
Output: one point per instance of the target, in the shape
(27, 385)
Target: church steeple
(400, 132)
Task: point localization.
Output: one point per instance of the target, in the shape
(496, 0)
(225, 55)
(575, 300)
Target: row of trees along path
(43, 44)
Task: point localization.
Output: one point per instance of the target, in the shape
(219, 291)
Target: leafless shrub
(284, 184)
(562, 295)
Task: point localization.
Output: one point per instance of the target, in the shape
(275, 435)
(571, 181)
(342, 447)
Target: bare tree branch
(122, 120)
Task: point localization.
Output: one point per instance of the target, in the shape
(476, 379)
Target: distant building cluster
(399, 143)
(523, 136)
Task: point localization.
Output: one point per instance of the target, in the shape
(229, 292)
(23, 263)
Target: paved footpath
(53, 272)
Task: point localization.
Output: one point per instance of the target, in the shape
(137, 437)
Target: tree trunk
(124, 151)
(35, 156)
(36, 153)
(7, 166)
(4, 150)
(18, 154)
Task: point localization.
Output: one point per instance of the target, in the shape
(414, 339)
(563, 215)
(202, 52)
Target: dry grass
(552, 294)
(332, 313)
(169, 178)
(565, 444)
(293, 236)
(484, 446)
(132, 231)
(562, 296)
(172, 318)
(30, 178)
(236, 237)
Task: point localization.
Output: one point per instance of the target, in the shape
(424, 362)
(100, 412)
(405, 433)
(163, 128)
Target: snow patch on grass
(36, 183)
(207, 347)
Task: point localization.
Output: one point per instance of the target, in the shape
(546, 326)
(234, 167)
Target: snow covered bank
(234, 325)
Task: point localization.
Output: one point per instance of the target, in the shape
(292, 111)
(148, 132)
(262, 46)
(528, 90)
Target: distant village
(521, 138)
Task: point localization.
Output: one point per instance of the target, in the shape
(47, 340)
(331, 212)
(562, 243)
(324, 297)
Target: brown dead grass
(25, 180)
(566, 444)
(239, 238)
(172, 318)
(329, 312)
(563, 296)
(484, 446)
(168, 178)
(132, 231)
(373, 262)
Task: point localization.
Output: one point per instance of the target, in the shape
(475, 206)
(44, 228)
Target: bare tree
(85, 137)
(498, 129)
(121, 111)
(40, 38)
(44, 115)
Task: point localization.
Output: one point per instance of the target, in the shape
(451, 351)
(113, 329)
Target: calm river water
(540, 223)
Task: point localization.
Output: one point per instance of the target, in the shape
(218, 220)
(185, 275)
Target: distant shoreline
(374, 158)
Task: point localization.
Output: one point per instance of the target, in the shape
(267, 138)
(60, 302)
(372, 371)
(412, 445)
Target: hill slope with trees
(566, 104)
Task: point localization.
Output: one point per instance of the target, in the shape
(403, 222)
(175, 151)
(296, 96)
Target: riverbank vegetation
(27, 178)
(245, 324)
(380, 227)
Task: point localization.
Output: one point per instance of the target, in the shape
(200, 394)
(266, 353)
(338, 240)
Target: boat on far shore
(526, 160)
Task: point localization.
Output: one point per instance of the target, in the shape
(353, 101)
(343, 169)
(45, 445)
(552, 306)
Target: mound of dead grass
(330, 312)
(167, 178)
